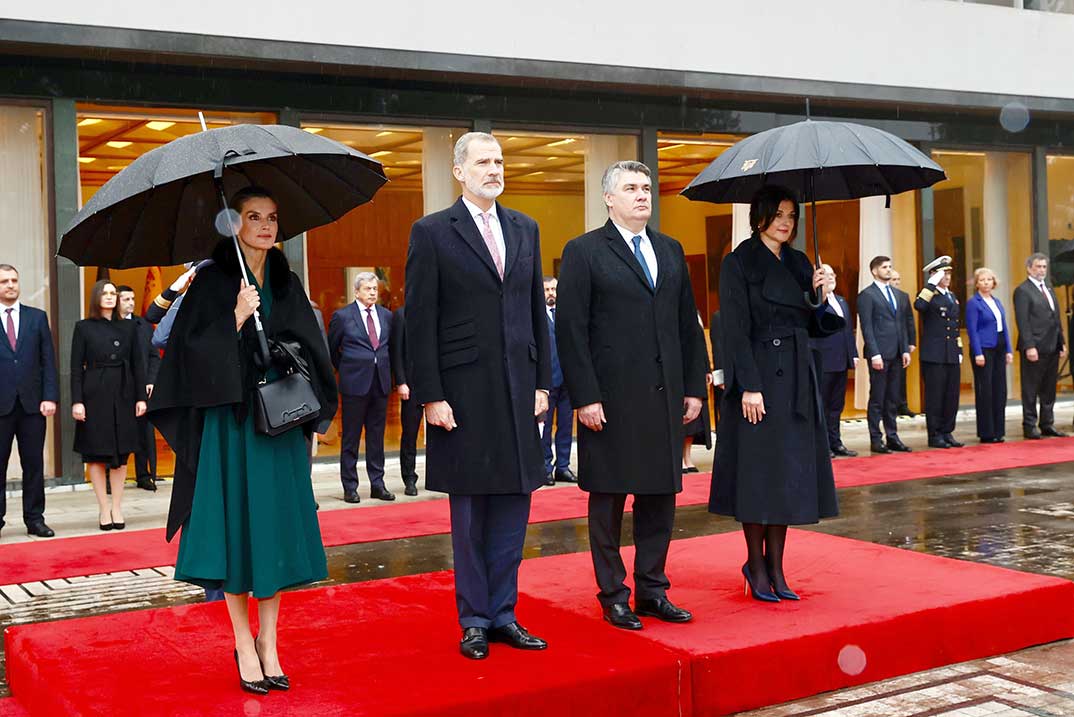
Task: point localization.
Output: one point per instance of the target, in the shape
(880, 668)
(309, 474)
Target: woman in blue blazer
(990, 348)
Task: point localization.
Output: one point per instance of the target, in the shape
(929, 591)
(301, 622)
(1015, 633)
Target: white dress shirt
(14, 318)
(494, 224)
(647, 251)
(991, 304)
(376, 319)
(834, 303)
(1043, 288)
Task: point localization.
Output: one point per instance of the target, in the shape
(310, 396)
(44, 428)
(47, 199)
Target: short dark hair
(95, 301)
(8, 267)
(245, 194)
(877, 261)
(550, 278)
(765, 205)
(123, 287)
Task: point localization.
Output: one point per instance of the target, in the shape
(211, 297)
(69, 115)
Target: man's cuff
(874, 358)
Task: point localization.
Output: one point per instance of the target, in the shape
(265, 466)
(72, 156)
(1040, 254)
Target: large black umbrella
(163, 208)
(819, 161)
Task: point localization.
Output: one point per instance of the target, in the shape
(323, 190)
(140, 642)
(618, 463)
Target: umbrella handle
(814, 303)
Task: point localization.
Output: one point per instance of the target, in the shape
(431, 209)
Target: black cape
(207, 363)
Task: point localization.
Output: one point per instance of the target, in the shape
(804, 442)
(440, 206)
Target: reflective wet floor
(1021, 519)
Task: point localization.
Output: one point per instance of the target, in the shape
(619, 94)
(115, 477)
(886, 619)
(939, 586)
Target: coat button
(779, 372)
(659, 388)
(115, 343)
(776, 342)
(112, 357)
(659, 359)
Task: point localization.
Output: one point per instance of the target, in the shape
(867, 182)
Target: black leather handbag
(289, 401)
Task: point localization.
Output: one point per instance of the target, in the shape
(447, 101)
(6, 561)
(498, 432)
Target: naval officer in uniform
(941, 353)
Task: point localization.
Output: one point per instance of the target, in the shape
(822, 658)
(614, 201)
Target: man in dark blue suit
(557, 468)
(359, 335)
(479, 364)
(28, 394)
(883, 332)
(839, 354)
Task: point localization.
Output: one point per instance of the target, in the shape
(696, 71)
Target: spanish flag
(154, 284)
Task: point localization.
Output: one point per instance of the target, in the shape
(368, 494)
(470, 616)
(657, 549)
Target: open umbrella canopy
(163, 208)
(818, 160)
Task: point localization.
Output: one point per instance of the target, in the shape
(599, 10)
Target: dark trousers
(883, 400)
(29, 430)
(145, 458)
(488, 533)
(1038, 382)
(901, 405)
(410, 414)
(559, 405)
(366, 414)
(654, 518)
(990, 393)
(941, 397)
(833, 396)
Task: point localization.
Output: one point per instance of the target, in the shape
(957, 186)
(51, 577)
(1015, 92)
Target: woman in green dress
(244, 500)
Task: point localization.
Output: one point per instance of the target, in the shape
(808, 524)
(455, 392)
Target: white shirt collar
(476, 211)
(629, 235)
(16, 306)
(883, 287)
(362, 307)
(942, 290)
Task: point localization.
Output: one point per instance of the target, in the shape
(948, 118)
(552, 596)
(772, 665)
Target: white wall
(937, 44)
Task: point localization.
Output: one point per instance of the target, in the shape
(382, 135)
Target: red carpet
(10, 707)
(389, 647)
(130, 550)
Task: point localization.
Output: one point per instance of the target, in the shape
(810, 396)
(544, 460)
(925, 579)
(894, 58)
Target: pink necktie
(10, 326)
(371, 328)
(490, 242)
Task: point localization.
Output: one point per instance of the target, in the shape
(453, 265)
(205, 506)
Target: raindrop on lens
(852, 660)
(228, 220)
(251, 708)
(1014, 117)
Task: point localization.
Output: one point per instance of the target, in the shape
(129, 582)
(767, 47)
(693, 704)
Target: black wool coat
(636, 350)
(108, 361)
(778, 471)
(481, 344)
(208, 364)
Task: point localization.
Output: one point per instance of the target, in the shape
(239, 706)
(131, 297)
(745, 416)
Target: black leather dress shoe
(842, 450)
(662, 609)
(897, 445)
(351, 496)
(550, 479)
(147, 483)
(1032, 434)
(475, 643)
(565, 475)
(879, 448)
(381, 493)
(517, 637)
(410, 489)
(952, 442)
(40, 530)
(1053, 432)
(620, 615)
(938, 443)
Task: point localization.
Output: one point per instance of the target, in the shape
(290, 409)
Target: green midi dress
(253, 523)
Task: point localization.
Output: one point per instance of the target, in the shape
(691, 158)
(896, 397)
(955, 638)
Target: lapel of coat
(512, 242)
(664, 255)
(619, 248)
(467, 230)
(779, 284)
(359, 323)
(385, 324)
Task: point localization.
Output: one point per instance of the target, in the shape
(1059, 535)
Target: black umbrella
(169, 205)
(163, 208)
(819, 161)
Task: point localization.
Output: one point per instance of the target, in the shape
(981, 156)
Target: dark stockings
(764, 555)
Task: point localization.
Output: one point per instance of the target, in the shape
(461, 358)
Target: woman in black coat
(772, 467)
(108, 393)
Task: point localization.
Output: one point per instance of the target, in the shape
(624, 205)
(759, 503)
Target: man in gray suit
(1040, 341)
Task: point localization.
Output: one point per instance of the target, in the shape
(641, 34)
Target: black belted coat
(778, 471)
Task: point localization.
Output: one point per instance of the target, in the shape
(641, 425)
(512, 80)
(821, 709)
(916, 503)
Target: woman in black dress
(772, 467)
(108, 391)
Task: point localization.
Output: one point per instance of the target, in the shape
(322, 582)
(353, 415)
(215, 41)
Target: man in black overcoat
(28, 395)
(1041, 343)
(883, 331)
(409, 409)
(941, 354)
(633, 357)
(145, 458)
(479, 363)
(838, 354)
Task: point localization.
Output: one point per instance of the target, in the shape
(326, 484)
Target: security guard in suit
(941, 353)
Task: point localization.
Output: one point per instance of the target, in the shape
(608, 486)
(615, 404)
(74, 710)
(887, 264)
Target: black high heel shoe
(787, 594)
(761, 595)
(256, 687)
(274, 682)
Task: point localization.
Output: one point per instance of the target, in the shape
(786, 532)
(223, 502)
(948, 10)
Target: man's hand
(78, 412)
(752, 406)
(47, 408)
(149, 390)
(1010, 358)
(592, 416)
(1032, 355)
(877, 363)
(439, 413)
(855, 362)
(905, 360)
(139, 409)
(184, 279)
(540, 402)
(691, 409)
(1063, 352)
(404, 392)
(936, 277)
(912, 348)
(979, 360)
